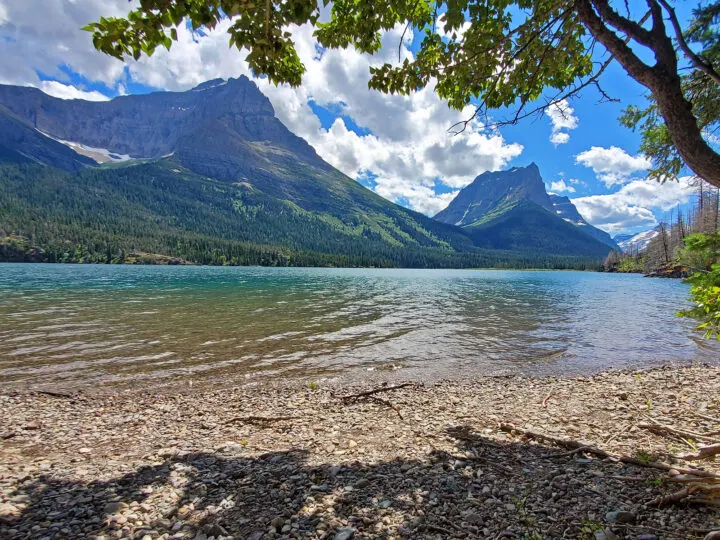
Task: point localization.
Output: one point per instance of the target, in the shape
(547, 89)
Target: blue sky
(398, 146)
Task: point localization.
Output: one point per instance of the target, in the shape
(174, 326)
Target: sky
(399, 146)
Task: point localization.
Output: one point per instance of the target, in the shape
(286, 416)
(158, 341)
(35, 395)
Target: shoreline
(448, 459)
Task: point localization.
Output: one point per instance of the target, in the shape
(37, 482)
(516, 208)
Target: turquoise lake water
(123, 325)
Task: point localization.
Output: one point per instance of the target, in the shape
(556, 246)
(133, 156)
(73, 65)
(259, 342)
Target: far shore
(598, 457)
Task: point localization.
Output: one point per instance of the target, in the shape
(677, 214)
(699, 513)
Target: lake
(67, 325)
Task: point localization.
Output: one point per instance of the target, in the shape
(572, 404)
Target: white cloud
(38, 35)
(66, 91)
(632, 206)
(612, 165)
(408, 147)
(559, 137)
(562, 118)
(560, 186)
(453, 35)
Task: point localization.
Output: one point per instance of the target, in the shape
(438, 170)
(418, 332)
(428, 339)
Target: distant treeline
(150, 214)
(665, 253)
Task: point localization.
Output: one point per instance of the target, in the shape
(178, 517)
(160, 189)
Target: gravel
(289, 461)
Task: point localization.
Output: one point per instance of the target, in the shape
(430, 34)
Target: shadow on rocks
(484, 489)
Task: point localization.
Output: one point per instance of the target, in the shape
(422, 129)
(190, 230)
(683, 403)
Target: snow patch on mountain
(635, 242)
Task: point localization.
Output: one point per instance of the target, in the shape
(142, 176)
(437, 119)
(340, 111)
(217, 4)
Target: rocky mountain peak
(493, 191)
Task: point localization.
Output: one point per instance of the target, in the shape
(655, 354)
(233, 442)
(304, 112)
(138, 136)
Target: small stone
(177, 526)
(344, 534)
(620, 516)
(363, 482)
(714, 535)
(84, 451)
(646, 536)
(218, 530)
(352, 444)
(474, 519)
(114, 507)
(8, 510)
(606, 534)
(385, 504)
(277, 522)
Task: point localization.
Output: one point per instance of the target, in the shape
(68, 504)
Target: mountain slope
(209, 175)
(512, 210)
(492, 193)
(637, 242)
(19, 143)
(565, 209)
(158, 212)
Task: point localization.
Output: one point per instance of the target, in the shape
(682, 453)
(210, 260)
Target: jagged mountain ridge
(226, 131)
(512, 210)
(635, 242)
(565, 209)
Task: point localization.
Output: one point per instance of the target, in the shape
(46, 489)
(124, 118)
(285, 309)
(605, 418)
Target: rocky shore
(489, 458)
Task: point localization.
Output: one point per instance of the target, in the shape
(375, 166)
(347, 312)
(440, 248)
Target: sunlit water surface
(126, 325)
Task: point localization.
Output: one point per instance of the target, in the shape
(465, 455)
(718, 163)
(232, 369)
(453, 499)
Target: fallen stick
(387, 404)
(544, 401)
(706, 417)
(55, 394)
(574, 445)
(261, 419)
(704, 452)
(661, 429)
(353, 397)
(565, 454)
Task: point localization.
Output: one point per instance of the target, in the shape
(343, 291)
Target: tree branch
(635, 67)
(631, 28)
(695, 59)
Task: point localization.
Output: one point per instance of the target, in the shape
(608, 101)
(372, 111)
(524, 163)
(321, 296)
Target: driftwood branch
(261, 419)
(550, 393)
(63, 395)
(362, 395)
(576, 445)
(661, 429)
(704, 452)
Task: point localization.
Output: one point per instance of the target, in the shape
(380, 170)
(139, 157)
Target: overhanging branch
(695, 59)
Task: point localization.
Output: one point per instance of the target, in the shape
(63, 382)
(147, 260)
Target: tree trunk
(662, 80)
(683, 128)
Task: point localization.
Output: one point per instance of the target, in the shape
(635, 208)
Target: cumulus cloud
(404, 142)
(612, 165)
(66, 91)
(38, 35)
(561, 187)
(632, 206)
(562, 118)
(406, 147)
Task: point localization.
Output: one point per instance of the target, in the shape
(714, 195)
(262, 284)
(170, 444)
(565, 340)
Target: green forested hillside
(159, 212)
(527, 224)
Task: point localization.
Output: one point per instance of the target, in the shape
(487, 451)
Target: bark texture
(662, 79)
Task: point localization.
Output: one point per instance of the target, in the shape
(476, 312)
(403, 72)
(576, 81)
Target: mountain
(637, 242)
(512, 210)
(20, 143)
(565, 209)
(208, 176)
